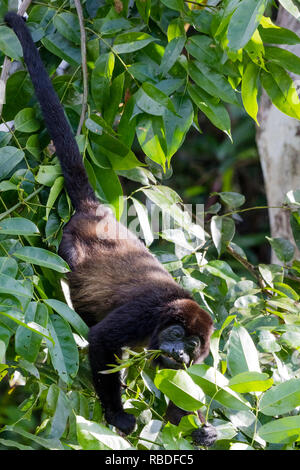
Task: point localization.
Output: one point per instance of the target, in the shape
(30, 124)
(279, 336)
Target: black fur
(76, 181)
(118, 287)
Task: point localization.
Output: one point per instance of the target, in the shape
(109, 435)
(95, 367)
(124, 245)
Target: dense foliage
(154, 67)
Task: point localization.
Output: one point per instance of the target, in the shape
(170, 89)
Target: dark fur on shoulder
(117, 286)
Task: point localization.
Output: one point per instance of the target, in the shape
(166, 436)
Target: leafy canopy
(153, 67)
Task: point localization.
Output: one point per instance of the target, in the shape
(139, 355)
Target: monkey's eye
(194, 343)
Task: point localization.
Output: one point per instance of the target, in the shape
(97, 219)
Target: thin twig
(84, 65)
(247, 265)
(201, 5)
(292, 278)
(3, 79)
(7, 62)
(21, 203)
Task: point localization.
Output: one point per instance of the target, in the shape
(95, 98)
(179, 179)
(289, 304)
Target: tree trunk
(278, 142)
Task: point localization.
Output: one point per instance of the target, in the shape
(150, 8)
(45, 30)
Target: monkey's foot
(205, 436)
(121, 420)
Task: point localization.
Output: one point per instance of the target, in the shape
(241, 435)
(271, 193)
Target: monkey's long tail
(76, 180)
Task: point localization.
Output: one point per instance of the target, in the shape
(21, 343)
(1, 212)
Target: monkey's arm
(125, 326)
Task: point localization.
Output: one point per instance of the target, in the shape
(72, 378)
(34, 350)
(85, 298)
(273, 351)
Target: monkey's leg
(206, 435)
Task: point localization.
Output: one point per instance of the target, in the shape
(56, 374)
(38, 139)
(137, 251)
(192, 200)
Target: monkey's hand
(123, 421)
(205, 436)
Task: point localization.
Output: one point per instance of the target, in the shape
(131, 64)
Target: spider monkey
(116, 285)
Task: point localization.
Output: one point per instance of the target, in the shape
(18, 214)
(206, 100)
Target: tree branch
(7, 62)
(84, 65)
(247, 265)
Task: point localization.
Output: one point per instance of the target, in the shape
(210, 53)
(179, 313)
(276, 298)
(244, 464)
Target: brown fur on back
(110, 266)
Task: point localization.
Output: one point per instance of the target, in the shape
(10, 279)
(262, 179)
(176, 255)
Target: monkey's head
(177, 348)
(184, 335)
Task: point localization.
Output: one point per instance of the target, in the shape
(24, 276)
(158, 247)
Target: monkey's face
(177, 348)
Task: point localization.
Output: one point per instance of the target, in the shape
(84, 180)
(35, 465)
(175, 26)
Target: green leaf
(216, 112)
(69, 315)
(58, 407)
(113, 151)
(144, 8)
(48, 174)
(180, 388)
(215, 340)
(284, 58)
(286, 290)
(272, 34)
(54, 193)
(153, 101)
(9, 43)
(292, 6)
(281, 89)
(286, 304)
(8, 266)
(177, 237)
(25, 121)
(295, 225)
(150, 134)
(171, 54)
(233, 200)
(223, 270)
(267, 342)
(9, 159)
(222, 232)
(67, 25)
(249, 90)
(256, 50)
(19, 91)
(144, 221)
(98, 125)
(18, 226)
(212, 82)
(100, 79)
(244, 22)
(131, 42)
(177, 126)
(177, 5)
(242, 355)
(13, 287)
(110, 186)
(291, 338)
(110, 28)
(116, 93)
(203, 49)
(17, 317)
(33, 146)
(94, 436)
(51, 444)
(64, 352)
(8, 443)
(281, 431)
(175, 29)
(27, 341)
(283, 248)
(62, 48)
(293, 198)
(271, 273)
(281, 399)
(215, 385)
(246, 382)
(42, 257)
